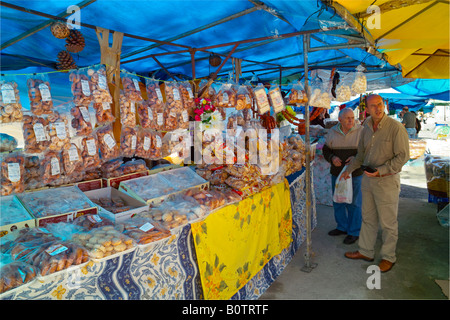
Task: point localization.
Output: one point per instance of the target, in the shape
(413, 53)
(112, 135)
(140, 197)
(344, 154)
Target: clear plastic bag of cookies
(90, 152)
(127, 111)
(35, 134)
(276, 99)
(226, 96)
(243, 98)
(128, 141)
(32, 173)
(262, 101)
(109, 149)
(209, 92)
(15, 274)
(91, 221)
(131, 88)
(39, 94)
(51, 167)
(10, 106)
(174, 106)
(58, 131)
(142, 230)
(81, 87)
(81, 120)
(12, 177)
(103, 113)
(176, 144)
(149, 144)
(72, 160)
(99, 84)
(111, 168)
(151, 115)
(187, 94)
(104, 241)
(297, 94)
(155, 98)
(133, 166)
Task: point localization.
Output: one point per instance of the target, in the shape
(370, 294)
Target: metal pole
(308, 265)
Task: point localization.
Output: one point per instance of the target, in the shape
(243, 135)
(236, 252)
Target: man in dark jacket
(340, 147)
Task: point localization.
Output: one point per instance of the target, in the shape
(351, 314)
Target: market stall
(94, 216)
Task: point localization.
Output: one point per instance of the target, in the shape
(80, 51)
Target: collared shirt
(386, 149)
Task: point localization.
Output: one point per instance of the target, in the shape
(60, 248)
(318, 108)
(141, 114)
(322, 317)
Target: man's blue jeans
(348, 216)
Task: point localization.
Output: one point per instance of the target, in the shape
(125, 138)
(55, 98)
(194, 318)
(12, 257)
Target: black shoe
(350, 239)
(336, 232)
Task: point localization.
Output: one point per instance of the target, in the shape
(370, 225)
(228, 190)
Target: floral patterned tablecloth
(168, 269)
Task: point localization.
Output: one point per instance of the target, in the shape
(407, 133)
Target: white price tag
(45, 92)
(73, 153)
(55, 249)
(158, 142)
(106, 106)
(185, 116)
(85, 114)
(60, 128)
(176, 94)
(102, 81)
(147, 142)
(39, 132)
(160, 119)
(146, 227)
(136, 85)
(109, 141)
(150, 113)
(13, 172)
(159, 94)
(85, 88)
(8, 94)
(91, 147)
(133, 142)
(55, 169)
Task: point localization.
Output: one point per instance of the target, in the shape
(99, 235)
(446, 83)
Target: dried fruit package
(262, 102)
(149, 144)
(131, 86)
(51, 167)
(128, 141)
(81, 87)
(90, 152)
(174, 106)
(72, 160)
(39, 94)
(81, 120)
(107, 143)
(127, 111)
(99, 84)
(10, 106)
(12, 173)
(35, 134)
(58, 132)
(276, 99)
(226, 96)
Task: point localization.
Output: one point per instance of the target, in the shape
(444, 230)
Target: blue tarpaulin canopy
(267, 35)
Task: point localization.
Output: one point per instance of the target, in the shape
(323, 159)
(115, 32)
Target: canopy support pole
(308, 264)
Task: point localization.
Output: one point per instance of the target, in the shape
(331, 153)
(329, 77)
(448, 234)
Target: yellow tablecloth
(234, 243)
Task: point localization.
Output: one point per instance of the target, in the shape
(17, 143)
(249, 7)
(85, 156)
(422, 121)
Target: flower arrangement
(206, 112)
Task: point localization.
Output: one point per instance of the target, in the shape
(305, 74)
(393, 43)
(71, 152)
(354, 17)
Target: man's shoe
(385, 265)
(336, 232)
(350, 239)
(356, 255)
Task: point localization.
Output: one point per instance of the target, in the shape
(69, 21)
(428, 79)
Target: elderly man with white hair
(341, 145)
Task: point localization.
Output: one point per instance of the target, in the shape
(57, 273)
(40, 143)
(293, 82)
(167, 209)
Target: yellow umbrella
(412, 33)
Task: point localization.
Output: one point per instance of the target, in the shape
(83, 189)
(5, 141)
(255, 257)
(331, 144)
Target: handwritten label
(45, 92)
(13, 172)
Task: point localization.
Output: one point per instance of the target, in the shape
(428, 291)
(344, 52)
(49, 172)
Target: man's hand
(373, 174)
(336, 161)
(345, 175)
(348, 160)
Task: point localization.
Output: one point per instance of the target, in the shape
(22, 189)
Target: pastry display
(91, 221)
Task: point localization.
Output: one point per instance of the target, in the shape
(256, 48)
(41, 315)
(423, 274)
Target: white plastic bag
(343, 192)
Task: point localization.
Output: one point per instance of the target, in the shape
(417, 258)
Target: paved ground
(422, 255)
